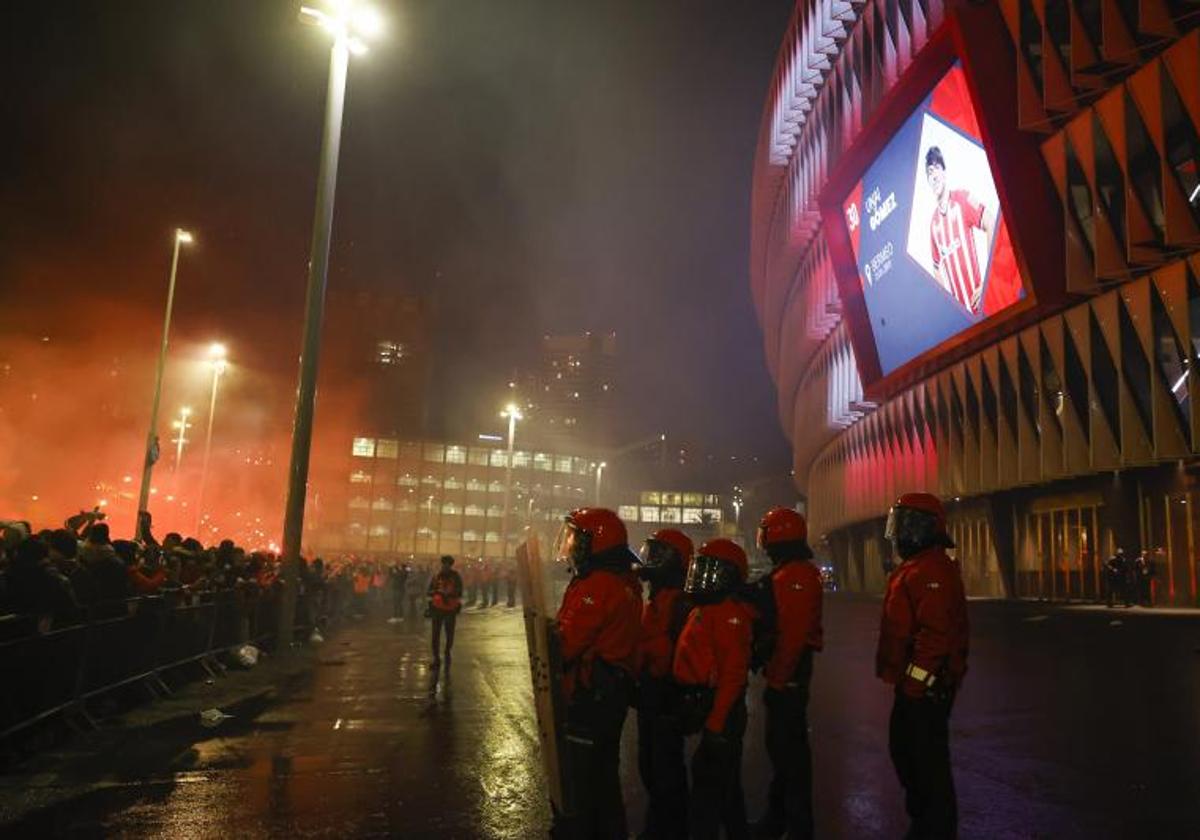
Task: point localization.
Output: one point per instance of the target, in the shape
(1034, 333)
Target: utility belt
(921, 675)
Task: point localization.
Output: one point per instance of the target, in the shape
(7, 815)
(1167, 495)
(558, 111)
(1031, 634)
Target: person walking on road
(792, 593)
(398, 576)
(665, 558)
(923, 641)
(445, 603)
(597, 626)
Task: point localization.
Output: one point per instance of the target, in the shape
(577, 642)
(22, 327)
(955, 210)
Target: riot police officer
(923, 653)
(712, 666)
(792, 591)
(665, 558)
(598, 626)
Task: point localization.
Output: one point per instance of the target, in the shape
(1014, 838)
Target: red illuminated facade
(974, 261)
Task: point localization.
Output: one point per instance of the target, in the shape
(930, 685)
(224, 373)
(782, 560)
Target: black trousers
(440, 620)
(592, 759)
(717, 799)
(919, 743)
(789, 801)
(398, 603)
(660, 761)
(511, 587)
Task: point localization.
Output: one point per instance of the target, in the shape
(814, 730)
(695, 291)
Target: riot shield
(545, 668)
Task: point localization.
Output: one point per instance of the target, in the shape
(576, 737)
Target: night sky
(534, 166)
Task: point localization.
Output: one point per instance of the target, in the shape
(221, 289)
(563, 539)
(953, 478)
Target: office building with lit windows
(433, 497)
(974, 260)
(570, 398)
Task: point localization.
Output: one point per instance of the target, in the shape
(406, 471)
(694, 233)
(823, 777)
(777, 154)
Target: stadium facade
(975, 234)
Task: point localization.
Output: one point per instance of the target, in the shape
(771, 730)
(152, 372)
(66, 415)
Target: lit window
(430, 481)
(693, 499)
(474, 484)
(453, 483)
(629, 513)
(382, 503)
(451, 509)
(380, 530)
(499, 458)
(713, 514)
(495, 512)
(456, 455)
(522, 459)
(479, 457)
(359, 502)
(672, 499)
(359, 477)
(562, 464)
(364, 447)
(650, 497)
(671, 514)
(649, 513)
(496, 487)
(692, 516)
(386, 448)
(470, 536)
(407, 480)
(492, 536)
(542, 461)
(473, 510)
(437, 454)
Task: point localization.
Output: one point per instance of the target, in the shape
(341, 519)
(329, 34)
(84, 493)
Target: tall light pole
(513, 413)
(217, 360)
(181, 425)
(182, 237)
(348, 23)
(599, 474)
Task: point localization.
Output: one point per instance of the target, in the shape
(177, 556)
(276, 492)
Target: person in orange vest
(665, 558)
(791, 593)
(445, 603)
(923, 641)
(597, 627)
(712, 667)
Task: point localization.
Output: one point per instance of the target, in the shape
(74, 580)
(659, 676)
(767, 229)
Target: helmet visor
(710, 576)
(659, 554)
(571, 546)
(760, 538)
(911, 530)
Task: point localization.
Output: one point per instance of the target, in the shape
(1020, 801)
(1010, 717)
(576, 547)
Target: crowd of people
(64, 576)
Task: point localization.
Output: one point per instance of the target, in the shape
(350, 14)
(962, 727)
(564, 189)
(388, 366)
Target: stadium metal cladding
(1060, 423)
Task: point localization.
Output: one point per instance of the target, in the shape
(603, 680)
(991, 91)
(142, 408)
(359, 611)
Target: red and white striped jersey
(953, 243)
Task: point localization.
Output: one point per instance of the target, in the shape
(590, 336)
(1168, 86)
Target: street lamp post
(513, 413)
(182, 237)
(348, 23)
(182, 425)
(599, 475)
(216, 360)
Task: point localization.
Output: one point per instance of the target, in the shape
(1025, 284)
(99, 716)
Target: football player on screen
(951, 234)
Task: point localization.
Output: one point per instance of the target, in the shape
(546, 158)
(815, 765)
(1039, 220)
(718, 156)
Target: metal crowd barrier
(138, 641)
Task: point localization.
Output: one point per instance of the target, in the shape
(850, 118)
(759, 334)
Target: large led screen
(931, 245)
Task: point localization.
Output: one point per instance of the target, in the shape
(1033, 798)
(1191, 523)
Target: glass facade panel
(364, 447)
(499, 458)
(387, 448)
(435, 453)
(456, 455)
(672, 514)
(692, 516)
(629, 513)
(693, 499)
(713, 514)
(478, 456)
(522, 459)
(650, 497)
(650, 514)
(562, 464)
(407, 480)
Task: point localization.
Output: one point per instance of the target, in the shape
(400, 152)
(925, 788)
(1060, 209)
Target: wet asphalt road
(1069, 726)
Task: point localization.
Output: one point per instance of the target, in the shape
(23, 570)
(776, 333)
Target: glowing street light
(218, 361)
(181, 426)
(182, 237)
(513, 412)
(350, 23)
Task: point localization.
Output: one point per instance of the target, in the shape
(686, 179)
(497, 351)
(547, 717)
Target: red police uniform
(598, 627)
(795, 593)
(923, 634)
(661, 625)
(923, 652)
(714, 651)
(600, 618)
